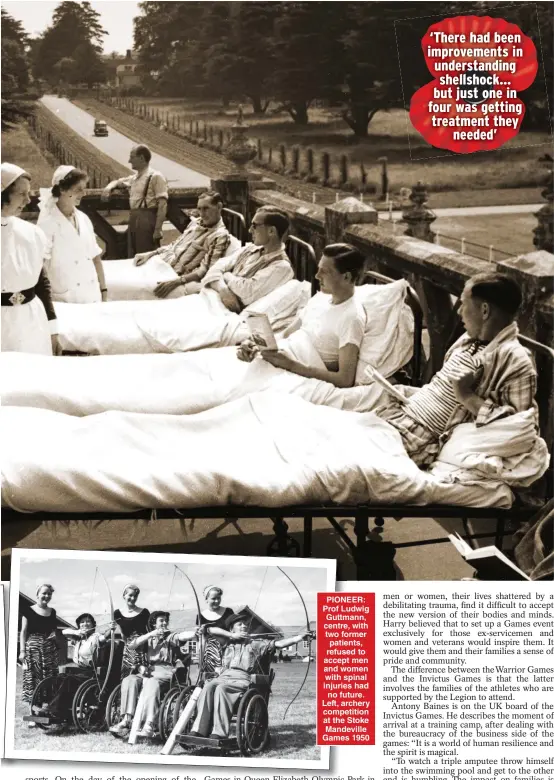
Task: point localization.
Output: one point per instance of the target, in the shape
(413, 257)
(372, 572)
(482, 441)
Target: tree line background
(279, 56)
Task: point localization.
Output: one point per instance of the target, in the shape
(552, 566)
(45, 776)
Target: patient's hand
(230, 300)
(163, 289)
(250, 347)
(464, 385)
(278, 358)
(142, 257)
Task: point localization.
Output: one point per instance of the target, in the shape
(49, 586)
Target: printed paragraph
(468, 683)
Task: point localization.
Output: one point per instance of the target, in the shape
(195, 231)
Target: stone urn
(418, 216)
(240, 150)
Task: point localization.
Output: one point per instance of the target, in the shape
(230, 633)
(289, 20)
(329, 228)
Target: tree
(305, 52)
(250, 42)
(15, 73)
(73, 24)
(89, 68)
(167, 39)
(381, 61)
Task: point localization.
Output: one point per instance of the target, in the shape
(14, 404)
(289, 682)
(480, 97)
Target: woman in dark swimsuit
(38, 650)
(132, 622)
(213, 616)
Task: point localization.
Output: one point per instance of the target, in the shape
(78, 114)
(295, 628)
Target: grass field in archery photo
(84, 638)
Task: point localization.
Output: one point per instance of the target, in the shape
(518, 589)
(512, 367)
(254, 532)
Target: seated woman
(85, 650)
(333, 320)
(214, 616)
(243, 656)
(162, 648)
(73, 256)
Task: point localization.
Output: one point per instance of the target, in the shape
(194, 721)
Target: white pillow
(389, 332)
(283, 303)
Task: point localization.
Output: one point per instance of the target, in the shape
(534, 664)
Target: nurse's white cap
(60, 173)
(10, 173)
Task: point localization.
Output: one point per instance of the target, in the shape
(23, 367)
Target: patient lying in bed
(230, 285)
(327, 350)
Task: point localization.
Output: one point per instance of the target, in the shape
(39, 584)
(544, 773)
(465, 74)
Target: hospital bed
(372, 559)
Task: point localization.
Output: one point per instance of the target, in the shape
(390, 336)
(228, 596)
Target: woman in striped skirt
(214, 616)
(38, 650)
(132, 622)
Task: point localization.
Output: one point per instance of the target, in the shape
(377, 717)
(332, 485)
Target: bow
(201, 637)
(112, 640)
(309, 641)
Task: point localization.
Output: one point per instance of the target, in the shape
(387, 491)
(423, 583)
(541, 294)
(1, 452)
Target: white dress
(69, 256)
(25, 327)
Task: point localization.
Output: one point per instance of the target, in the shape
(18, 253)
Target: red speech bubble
(479, 64)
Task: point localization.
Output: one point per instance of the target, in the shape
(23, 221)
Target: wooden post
(220, 139)
(384, 178)
(343, 167)
(260, 154)
(310, 160)
(282, 156)
(325, 168)
(295, 159)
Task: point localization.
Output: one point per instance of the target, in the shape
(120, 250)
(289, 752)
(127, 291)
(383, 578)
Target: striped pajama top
(433, 405)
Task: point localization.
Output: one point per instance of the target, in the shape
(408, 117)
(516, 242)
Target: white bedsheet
(166, 384)
(266, 449)
(127, 281)
(127, 327)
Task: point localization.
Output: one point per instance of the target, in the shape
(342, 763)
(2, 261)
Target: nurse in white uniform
(28, 318)
(73, 256)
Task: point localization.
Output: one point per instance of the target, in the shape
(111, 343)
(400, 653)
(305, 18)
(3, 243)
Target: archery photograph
(159, 658)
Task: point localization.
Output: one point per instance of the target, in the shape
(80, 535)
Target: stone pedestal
(418, 216)
(349, 211)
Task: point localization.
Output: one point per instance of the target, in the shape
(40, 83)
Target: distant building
(126, 72)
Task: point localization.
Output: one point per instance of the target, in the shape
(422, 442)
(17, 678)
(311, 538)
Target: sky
(116, 18)
(80, 588)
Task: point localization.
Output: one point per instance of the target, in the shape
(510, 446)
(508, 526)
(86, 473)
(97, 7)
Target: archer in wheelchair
(148, 696)
(78, 694)
(240, 691)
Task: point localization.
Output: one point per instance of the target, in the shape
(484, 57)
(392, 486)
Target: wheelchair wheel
(113, 707)
(87, 711)
(180, 705)
(252, 724)
(165, 716)
(53, 697)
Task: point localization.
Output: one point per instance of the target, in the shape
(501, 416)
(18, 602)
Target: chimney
(128, 56)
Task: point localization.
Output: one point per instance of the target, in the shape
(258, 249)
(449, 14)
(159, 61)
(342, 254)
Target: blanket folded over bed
(508, 449)
(267, 449)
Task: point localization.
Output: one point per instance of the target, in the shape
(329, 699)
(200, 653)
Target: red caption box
(345, 668)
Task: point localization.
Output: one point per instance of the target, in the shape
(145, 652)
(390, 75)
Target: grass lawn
(19, 147)
(512, 234)
(293, 738)
(390, 134)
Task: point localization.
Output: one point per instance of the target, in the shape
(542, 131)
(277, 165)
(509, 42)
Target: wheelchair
(251, 720)
(76, 696)
(179, 684)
